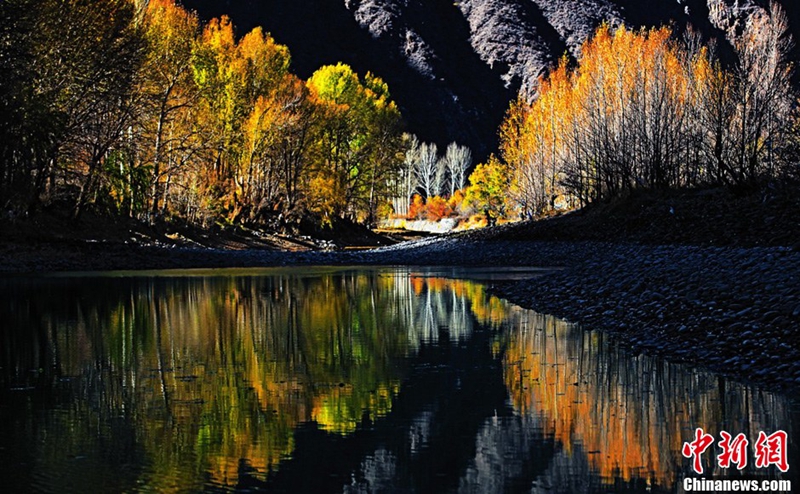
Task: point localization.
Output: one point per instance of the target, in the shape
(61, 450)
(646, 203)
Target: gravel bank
(733, 310)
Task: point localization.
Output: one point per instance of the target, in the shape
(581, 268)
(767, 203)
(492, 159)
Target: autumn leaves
(642, 110)
(135, 109)
(254, 142)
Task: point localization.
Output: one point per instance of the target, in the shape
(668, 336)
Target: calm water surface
(341, 380)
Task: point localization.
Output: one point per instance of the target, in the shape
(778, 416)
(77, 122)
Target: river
(345, 380)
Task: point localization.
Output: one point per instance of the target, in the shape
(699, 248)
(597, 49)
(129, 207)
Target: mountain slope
(453, 66)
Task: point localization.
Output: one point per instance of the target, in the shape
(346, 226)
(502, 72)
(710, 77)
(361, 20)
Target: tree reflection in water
(622, 417)
(334, 379)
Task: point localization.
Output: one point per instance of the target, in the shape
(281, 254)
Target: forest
(644, 110)
(139, 110)
(153, 116)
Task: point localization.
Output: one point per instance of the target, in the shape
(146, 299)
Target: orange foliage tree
(644, 110)
(417, 207)
(437, 208)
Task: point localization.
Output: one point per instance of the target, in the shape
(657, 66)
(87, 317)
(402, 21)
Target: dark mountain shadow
(317, 32)
(679, 15)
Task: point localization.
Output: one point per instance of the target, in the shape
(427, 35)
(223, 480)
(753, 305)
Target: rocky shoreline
(733, 310)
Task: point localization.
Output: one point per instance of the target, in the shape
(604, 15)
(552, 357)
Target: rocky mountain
(453, 65)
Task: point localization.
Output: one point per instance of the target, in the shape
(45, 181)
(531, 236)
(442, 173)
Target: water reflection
(335, 380)
(622, 418)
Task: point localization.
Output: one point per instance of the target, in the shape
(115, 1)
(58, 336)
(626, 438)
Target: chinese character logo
(696, 448)
(769, 450)
(734, 451)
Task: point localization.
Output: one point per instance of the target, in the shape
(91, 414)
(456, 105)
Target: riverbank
(733, 310)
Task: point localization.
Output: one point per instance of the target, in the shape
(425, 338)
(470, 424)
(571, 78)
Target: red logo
(769, 450)
(733, 451)
(696, 448)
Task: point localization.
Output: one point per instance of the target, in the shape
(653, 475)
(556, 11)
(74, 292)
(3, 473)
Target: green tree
(359, 141)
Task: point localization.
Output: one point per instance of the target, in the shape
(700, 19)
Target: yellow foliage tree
(488, 190)
(169, 94)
